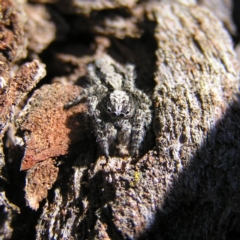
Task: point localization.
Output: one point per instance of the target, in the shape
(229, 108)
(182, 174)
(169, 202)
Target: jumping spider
(120, 112)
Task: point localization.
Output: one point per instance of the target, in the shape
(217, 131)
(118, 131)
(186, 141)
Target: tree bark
(186, 185)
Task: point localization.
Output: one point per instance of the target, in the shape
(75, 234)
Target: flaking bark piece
(111, 24)
(39, 180)
(40, 29)
(25, 80)
(48, 129)
(128, 22)
(12, 48)
(86, 7)
(13, 42)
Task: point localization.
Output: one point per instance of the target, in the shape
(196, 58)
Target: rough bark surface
(187, 184)
(48, 129)
(223, 9)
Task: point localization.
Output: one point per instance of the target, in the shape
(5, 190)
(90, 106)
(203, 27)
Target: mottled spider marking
(120, 112)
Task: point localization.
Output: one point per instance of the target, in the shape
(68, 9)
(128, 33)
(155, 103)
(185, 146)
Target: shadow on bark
(204, 200)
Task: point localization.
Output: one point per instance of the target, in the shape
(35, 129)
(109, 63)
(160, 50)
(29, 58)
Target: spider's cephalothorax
(119, 105)
(119, 111)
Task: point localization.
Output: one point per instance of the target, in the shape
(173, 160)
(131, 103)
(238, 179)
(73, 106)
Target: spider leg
(138, 131)
(144, 105)
(92, 104)
(130, 76)
(147, 114)
(104, 134)
(124, 136)
(77, 100)
(92, 76)
(96, 87)
(129, 85)
(111, 132)
(130, 73)
(125, 133)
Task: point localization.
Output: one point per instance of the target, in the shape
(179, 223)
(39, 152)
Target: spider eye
(122, 115)
(109, 109)
(127, 112)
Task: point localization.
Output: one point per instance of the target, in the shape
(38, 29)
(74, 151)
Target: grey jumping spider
(120, 113)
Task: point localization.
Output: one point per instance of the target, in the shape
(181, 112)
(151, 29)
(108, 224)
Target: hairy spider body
(119, 111)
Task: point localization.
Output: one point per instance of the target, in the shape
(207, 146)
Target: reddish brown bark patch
(38, 180)
(48, 128)
(26, 79)
(12, 39)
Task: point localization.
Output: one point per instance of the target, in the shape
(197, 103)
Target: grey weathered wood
(187, 187)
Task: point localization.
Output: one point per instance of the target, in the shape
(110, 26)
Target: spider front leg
(145, 106)
(138, 132)
(105, 133)
(110, 133)
(77, 100)
(124, 137)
